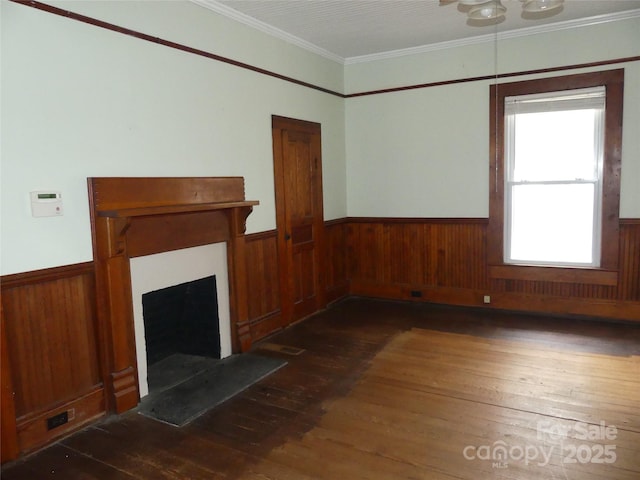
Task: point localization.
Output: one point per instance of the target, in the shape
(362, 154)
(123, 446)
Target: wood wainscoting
(335, 259)
(50, 355)
(51, 360)
(263, 295)
(445, 261)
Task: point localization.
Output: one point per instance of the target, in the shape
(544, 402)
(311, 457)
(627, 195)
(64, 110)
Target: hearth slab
(220, 381)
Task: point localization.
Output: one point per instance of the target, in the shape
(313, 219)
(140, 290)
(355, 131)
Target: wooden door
(298, 188)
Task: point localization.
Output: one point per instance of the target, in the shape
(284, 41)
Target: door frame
(283, 226)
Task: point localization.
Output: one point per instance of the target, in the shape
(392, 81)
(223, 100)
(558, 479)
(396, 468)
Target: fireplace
(133, 218)
(155, 274)
(182, 319)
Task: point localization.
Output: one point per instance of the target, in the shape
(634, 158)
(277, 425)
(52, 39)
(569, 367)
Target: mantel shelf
(168, 209)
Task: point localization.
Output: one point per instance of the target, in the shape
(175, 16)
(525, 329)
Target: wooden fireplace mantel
(167, 209)
(136, 216)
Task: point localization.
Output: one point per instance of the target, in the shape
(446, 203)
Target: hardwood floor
(387, 390)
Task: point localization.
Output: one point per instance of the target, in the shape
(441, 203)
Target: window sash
(591, 98)
(577, 99)
(511, 258)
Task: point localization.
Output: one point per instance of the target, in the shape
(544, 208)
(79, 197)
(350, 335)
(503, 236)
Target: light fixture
(471, 3)
(488, 11)
(484, 10)
(536, 6)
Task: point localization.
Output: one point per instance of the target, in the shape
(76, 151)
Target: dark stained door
(298, 188)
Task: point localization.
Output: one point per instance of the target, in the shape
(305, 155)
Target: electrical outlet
(487, 299)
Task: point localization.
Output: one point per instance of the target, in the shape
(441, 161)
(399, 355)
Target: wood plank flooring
(390, 390)
(429, 395)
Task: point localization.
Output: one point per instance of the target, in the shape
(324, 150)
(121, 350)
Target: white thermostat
(46, 203)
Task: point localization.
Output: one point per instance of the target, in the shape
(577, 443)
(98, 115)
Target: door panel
(297, 168)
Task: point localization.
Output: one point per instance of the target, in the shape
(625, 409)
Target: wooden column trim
(241, 335)
(115, 313)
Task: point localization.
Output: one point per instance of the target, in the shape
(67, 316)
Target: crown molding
(521, 32)
(475, 40)
(268, 29)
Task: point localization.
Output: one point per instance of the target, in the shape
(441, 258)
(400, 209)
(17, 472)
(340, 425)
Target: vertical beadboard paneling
(419, 252)
(629, 274)
(393, 253)
(50, 315)
(263, 277)
(52, 342)
(262, 274)
(460, 254)
(366, 252)
(554, 289)
(335, 259)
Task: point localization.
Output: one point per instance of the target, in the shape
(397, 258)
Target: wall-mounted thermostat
(46, 203)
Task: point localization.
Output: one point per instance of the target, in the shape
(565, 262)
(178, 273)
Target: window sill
(591, 276)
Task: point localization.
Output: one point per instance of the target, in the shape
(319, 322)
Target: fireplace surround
(138, 216)
(169, 269)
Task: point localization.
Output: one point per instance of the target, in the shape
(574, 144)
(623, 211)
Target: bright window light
(553, 187)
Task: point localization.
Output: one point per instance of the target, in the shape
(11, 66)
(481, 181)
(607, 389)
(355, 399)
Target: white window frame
(585, 98)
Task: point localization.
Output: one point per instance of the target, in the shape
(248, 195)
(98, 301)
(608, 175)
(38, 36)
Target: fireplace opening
(182, 330)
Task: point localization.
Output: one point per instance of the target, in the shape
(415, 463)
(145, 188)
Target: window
(555, 179)
(553, 188)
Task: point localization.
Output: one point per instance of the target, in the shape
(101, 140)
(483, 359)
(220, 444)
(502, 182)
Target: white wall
(425, 152)
(81, 101)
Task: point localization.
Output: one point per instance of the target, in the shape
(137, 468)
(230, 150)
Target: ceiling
(360, 30)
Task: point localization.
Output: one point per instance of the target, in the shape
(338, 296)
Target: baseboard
(606, 309)
(337, 292)
(37, 430)
(265, 325)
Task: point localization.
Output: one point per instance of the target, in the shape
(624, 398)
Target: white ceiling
(358, 30)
